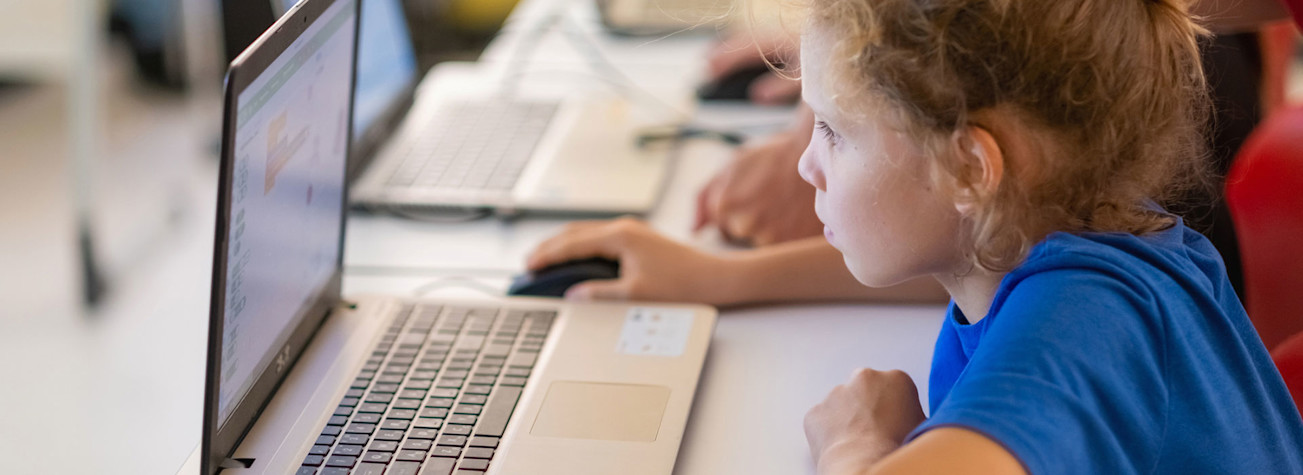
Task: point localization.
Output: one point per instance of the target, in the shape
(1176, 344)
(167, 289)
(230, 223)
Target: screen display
(386, 63)
(287, 179)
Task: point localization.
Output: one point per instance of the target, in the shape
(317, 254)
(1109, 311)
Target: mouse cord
(457, 281)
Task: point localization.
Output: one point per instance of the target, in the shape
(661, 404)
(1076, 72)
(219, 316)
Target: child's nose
(810, 169)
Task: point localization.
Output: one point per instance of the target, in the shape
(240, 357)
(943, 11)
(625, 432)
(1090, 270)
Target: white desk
(767, 365)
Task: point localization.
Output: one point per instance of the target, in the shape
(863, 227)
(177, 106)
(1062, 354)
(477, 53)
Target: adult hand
(751, 49)
(759, 198)
(862, 421)
(652, 267)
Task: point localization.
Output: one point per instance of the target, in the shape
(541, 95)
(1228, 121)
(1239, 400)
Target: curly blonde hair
(1114, 88)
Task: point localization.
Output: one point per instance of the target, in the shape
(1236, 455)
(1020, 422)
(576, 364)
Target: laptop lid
(279, 242)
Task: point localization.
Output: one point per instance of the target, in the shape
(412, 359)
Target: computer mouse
(552, 281)
(733, 86)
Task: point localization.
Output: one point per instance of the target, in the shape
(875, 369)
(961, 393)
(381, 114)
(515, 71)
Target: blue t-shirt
(1113, 353)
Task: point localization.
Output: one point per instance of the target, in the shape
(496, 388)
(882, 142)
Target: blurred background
(109, 126)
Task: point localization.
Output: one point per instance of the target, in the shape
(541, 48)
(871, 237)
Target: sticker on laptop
(652, 331)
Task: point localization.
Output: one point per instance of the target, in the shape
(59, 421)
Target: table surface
(767, 365)
(125, 385)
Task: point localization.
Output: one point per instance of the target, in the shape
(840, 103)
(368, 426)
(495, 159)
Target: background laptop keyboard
(435, 395)
(481, 145)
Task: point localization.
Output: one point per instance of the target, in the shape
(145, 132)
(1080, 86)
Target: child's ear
(981, 167)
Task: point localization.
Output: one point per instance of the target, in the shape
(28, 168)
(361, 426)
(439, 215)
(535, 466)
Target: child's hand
(860, 422)
(759, 198)
(652, 267)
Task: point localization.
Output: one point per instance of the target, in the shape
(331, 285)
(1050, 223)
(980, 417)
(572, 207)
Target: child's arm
(860, 426)
(653, 267)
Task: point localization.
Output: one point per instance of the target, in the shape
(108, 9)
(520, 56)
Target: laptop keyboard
(434, 396)
(481, 145)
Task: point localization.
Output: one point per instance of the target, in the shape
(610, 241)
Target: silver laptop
(302, 381)
(469, 137)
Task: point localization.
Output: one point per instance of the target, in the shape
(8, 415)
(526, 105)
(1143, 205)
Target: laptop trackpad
(601, 411)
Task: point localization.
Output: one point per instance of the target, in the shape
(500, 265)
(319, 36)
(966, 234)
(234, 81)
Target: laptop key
(522, 360)
(319, 450)
(326, 440)
(427, 423)
(347, 449)
(369, 418)
(418, 444)
(373, 407)
(453, 440)
(493, 420)
(438, 466)
(423, 434)
(354, 439)
(313, 460)
(404, 468)
(410, 455)
(482, 441)
(358, 428)
(435, 412)
(377, 457)
(334, 471)
(456, 429)
(408, 404)
(384, 446)
(389, 435)
(369, 469)
(306, 471)
(395, 424)
(402, 414)
(330, 430)
(474, 399)
(461, 419)
(479, 453)
(474, 464)
(341, 461)
(445, 451)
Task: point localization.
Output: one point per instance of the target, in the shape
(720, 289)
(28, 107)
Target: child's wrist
(854, 456)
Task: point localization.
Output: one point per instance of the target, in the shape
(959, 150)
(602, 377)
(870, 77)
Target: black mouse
(734, 86)
(552, 281)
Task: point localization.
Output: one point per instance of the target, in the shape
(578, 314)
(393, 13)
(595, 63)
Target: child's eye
(828, 133)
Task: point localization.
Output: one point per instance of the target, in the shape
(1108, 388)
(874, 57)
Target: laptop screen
(286, 183)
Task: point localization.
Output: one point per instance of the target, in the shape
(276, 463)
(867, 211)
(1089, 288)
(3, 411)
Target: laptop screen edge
(220, 438)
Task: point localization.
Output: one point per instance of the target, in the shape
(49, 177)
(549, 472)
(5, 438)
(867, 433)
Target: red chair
(1264, 190)
(1289, 360)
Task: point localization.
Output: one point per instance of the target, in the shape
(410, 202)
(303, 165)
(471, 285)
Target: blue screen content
(386, 63)
(286, 197)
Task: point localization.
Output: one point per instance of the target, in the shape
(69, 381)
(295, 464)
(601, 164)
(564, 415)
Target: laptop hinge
(234, 463)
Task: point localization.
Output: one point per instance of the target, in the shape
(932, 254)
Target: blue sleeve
(1069, 376)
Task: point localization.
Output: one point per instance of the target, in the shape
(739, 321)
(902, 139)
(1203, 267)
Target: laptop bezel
(221, 438)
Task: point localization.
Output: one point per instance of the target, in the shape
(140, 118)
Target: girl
(1017, 152)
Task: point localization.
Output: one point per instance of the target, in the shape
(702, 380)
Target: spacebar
(493, 421)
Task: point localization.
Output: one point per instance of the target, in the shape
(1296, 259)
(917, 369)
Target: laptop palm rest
(601, 411)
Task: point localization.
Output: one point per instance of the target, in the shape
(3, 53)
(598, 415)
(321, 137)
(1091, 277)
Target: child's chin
(873, 276)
